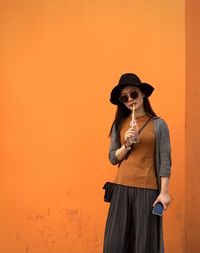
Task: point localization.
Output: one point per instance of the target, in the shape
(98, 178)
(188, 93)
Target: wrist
(164, 185)
(127, 146)
(164, 192)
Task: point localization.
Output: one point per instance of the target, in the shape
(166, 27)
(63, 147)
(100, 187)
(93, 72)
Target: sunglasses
(124, 98)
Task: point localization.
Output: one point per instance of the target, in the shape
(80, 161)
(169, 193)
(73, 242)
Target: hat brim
(116, 91)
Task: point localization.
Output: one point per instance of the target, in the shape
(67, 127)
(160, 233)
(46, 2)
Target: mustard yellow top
(139, 169)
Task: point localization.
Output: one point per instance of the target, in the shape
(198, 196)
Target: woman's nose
(129, 97)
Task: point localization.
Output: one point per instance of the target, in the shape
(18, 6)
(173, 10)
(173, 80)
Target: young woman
(143, 172)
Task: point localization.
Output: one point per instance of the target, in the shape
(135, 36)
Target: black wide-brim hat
(129, 79)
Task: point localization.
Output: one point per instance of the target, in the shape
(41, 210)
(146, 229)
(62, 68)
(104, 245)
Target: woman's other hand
(164, 198)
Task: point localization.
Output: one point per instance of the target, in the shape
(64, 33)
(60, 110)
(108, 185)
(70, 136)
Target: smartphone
(158, 209)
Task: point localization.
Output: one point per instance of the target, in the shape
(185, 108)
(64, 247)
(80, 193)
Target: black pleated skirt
(131, 227)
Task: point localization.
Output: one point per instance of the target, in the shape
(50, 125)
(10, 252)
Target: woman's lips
(131, 105)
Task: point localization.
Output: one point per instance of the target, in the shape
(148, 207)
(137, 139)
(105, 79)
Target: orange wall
(59, 61)
(192, 126)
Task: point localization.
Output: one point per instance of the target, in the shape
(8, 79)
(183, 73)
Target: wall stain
(27, 249)
(39, 215)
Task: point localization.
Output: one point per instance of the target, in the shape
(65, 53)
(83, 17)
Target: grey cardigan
(162, 156)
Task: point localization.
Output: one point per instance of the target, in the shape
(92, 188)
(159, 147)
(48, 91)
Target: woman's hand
(164, 198)
(130, 136)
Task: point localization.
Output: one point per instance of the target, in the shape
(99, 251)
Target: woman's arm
(165, 166)
(165, 151)
(121, 152)
(114, 146)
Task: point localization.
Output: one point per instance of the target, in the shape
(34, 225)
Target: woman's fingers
(130, 136)
(164, 199)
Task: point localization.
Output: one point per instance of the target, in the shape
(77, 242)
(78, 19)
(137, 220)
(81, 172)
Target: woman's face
(134, 91)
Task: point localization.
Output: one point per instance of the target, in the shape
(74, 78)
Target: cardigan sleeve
(165, 151)
(114, 145)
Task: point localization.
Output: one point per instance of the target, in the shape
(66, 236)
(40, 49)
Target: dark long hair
(123, 112)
